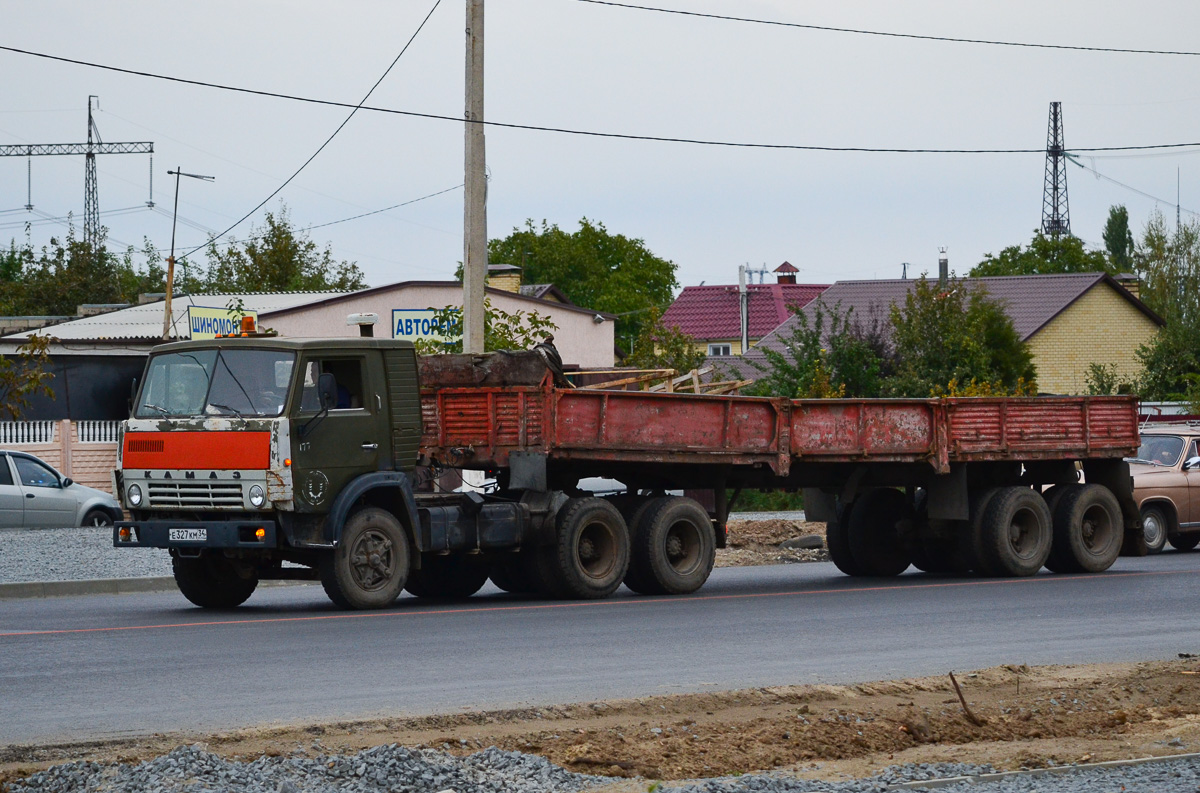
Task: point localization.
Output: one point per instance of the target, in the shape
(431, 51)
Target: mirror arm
(312, 423)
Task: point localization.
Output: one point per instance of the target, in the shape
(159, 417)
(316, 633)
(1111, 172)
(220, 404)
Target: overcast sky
(570, 64)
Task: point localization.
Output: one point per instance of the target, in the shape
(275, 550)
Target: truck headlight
(257, 497)
(135, 496)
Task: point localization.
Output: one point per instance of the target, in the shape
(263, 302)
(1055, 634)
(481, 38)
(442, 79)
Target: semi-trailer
(255, 457)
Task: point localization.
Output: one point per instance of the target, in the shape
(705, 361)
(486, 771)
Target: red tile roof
(712, 312)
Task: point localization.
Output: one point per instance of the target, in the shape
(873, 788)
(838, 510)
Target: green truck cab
(256, 458)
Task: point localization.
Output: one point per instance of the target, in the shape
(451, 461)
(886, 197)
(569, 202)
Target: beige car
(1166, 485)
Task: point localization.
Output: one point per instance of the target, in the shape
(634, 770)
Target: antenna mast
(1056, 217)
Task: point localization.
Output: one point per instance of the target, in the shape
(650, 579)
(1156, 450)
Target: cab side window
(5, 472)
(34, 474)
(348, 376)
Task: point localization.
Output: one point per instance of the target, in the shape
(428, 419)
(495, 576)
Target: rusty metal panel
(858, 429)
(656, 423)
(1062, 426)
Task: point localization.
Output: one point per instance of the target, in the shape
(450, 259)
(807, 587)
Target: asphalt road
(83, 668)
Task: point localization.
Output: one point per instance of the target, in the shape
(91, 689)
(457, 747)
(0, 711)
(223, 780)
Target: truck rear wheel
(837, 540)
(508, 574)
(1088, 530)
(673, 548)
(1015, 532)
(638, 577)
(874, 533)
(212, 582)
(591, 550)
(369, 567)
(447, 577)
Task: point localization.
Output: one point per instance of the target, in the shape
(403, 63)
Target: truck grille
(195, 494)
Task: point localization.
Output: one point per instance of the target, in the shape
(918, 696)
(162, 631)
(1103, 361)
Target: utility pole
(744, 305)
(171, 259)
(475, 208)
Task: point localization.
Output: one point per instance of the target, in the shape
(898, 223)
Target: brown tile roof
(1031, 301)
(712, 312)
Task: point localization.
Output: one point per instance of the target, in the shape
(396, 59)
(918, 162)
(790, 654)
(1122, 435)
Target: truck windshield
(216, 383)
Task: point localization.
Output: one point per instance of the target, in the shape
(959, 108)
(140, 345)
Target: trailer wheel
(837, 541)
(1015, 532)
(970, 541)
(875, 541)
(1154, 529)
(1183, 542)
(212, 582)
(674, 547)
(638, 577)
(1088, 530)
(591, 550)
(447, 577)
(369, 567)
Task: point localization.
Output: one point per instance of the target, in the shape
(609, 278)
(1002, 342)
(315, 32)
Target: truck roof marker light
(248, 325)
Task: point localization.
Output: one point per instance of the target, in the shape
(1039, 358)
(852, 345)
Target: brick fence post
(66, 441)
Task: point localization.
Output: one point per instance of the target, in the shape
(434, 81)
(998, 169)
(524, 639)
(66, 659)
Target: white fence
(98, 431)
(16, 433)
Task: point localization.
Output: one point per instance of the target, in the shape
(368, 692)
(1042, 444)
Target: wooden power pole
(475, 209)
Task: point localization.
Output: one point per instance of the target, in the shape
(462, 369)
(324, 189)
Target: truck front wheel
(591, 550)
(369, 567)
(213, 582)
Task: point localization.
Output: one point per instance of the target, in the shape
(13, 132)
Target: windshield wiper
(234, 411)
(161, 410)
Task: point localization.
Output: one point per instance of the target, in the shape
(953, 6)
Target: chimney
(504, 276)
(786, 273)
(943, 267)
(1131, 284)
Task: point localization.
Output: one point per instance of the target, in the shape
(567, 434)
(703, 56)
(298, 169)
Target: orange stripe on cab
(205, 450)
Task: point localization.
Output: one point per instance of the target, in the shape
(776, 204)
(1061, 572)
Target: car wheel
(1154, 529)
(1184, 542)
(97, 519)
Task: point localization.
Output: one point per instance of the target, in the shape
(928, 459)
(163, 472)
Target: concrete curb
(95, 586)
(100, 586)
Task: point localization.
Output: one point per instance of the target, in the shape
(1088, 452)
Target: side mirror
(1190, 463)
(67, 481)
(327, 388)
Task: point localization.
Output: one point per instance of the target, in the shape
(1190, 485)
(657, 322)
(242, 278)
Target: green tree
(24, 376)
(502, 330)
(660, 347)
(1043, 255)
(829, 355)
(956, 340)
(277, 257)
(594, 268)
(1118, 239)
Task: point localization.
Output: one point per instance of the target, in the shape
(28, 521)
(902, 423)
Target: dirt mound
(1014, 716)
(757, 542)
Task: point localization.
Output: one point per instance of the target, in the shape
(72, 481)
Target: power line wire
(1142, 193)
(321, 148)
(887, 34)
(587, 133)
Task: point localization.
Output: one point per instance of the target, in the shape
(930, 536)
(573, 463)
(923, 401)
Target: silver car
(34, 496)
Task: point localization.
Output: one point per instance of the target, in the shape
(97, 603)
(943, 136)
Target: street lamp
(171, 259)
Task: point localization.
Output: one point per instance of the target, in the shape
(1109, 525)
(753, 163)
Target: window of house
(719, 349)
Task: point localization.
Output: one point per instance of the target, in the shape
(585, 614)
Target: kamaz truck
(254, 458)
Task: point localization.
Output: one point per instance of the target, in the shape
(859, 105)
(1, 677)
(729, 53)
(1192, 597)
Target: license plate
(188, 535)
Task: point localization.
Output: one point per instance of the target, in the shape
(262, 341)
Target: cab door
(349, 439)
(12, 500)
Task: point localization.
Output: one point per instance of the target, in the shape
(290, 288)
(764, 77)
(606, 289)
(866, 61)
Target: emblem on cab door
(316, 487)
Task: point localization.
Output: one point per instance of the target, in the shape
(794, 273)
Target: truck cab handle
(370, 447)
